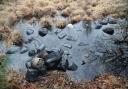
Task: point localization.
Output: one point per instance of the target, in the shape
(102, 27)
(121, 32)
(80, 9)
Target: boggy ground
(74, 11)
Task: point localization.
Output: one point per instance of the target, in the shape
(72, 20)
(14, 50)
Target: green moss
(2, 74)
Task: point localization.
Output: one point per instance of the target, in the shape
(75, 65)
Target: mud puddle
(78, 43)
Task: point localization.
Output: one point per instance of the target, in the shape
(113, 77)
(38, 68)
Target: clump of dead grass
(12, 19)
(10, 36)
(5, 32)
(61, 24)
(33, 20)
(66, 12)
(110, 7)
(46, 22)
(46, 11)
(107, 82)
(61, 5)
(75, 19)
(23, 11)
(87, 18)
(15, 38)
(78, 12)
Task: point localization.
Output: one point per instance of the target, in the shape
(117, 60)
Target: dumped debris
(51, 61)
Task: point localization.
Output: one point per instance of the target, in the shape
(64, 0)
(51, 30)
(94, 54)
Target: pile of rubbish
(45, 60)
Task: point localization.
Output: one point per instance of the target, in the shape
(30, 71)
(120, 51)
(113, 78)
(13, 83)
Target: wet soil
(81, 46)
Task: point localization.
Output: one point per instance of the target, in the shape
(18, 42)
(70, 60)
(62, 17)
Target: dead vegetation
(16, 80)
(66, 12)
(10, 36)
(61, 24)
(75, 19)
(58, 80)
(46, 22)
(16, 10)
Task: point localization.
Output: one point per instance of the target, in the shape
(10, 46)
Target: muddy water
(81, 50)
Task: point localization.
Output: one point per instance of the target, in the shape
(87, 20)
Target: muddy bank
(96, 46)
(87, 48)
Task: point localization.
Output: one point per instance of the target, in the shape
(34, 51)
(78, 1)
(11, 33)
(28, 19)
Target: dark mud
(82, 46)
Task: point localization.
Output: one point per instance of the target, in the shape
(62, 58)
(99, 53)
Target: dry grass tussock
(46, 22)
(66, 12)
(75, 19)
(39, 8)
(46, 11)
(10, 36)
(61, 24)
(110, 7)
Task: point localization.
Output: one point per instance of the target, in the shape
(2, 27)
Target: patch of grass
(3, 61)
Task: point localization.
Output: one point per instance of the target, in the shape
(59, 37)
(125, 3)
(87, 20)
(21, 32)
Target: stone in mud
(29, 39)
(108, 30)
(82, 44)
(23, 50)
(28, 64)
(53, 59)
(83, 62)
(13, 50)
(98, 26)
(18, 42)
(32, 53)
(103, 22)
(32, 75)
(57, 31)
(29, 31)
(63, 65)
(72, 67)
(67, 46)
(43, 32)
(41, 48)
(42, 54)
(112, 21)
(70, 38)
(62, 35)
